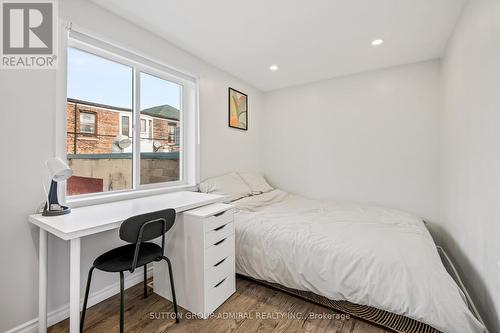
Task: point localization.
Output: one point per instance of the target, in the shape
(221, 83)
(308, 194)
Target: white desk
(90, 220)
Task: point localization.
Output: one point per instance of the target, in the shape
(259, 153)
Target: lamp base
(63, 211)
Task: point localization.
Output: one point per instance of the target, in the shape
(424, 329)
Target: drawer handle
(220, 262)
(219, 228)
(219, 242)
(218, 284)
(219, 214)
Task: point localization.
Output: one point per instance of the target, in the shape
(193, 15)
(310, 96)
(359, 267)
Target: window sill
(112, 197)
(88, 138)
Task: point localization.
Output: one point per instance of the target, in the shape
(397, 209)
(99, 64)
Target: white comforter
(366, 255)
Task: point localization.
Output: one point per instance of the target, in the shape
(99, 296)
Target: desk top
(84, 221)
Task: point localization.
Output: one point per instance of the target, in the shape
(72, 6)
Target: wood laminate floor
(253, 308)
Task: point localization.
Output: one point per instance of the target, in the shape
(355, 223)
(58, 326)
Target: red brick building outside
(91, 128)
(100, 164)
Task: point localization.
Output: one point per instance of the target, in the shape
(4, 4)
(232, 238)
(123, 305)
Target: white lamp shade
(58, 169)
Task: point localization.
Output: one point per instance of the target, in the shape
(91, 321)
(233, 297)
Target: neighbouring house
(101, 162)
(92, 128)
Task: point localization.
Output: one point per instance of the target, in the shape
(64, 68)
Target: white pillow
(256, 182)
(230, 185)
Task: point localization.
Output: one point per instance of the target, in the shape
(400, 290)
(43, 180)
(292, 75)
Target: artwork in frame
(238, 109)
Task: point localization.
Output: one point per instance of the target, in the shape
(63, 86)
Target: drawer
(220, 250)
(218, 220)
(219, 293)
(218, 234)
(219, 271)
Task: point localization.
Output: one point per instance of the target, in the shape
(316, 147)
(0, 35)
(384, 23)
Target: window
(160, 102)
(177, 134)
(102, 90)
(171, 132)
(87, 122)
(126, 125)
(120, 89)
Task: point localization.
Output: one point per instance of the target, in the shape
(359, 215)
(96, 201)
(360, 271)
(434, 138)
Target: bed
(376, 263)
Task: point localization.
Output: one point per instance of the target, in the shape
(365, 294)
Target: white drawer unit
(201, 249)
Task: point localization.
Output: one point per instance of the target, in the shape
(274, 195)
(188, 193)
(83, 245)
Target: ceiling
(309, 40)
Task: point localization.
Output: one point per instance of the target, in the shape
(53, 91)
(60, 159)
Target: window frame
(171, 134)
(129, 123)
(148, 127)
(145, 131)
(189, 142)
(87, 134)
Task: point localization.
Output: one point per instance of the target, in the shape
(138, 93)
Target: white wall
(31, 123)
(28, 105)
(471, 152)
(369, 138)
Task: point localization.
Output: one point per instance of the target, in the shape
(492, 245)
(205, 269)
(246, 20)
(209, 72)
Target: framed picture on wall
(238, 109)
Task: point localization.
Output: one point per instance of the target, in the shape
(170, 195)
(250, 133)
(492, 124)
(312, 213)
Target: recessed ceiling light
(377, 42)
(273, 68)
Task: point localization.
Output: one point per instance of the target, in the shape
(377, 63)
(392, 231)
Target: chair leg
(121, 302)
(86, 298)
(145, 281)
(172, 287)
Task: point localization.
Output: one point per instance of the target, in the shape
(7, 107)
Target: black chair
(136, 230)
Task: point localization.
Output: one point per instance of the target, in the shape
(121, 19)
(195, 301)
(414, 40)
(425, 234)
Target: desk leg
(42, 282)
(74, 286)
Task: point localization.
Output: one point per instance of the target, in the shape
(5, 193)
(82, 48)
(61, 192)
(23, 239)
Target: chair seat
(121, 258)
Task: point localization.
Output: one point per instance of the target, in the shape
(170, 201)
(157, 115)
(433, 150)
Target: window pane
(160, 102)
(87, 122)
(126, 125)
(96, 79)
(99, 96)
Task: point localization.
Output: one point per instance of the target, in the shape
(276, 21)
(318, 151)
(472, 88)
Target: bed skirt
(394, 322)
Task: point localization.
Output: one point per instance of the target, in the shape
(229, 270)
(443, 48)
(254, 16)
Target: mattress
(371, 256)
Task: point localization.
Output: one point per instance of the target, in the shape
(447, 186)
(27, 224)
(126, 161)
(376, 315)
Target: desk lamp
(59, 171)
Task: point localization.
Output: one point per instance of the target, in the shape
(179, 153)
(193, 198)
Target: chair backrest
(148, 226)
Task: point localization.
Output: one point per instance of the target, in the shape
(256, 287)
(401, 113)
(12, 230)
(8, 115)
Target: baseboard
(55, 316)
